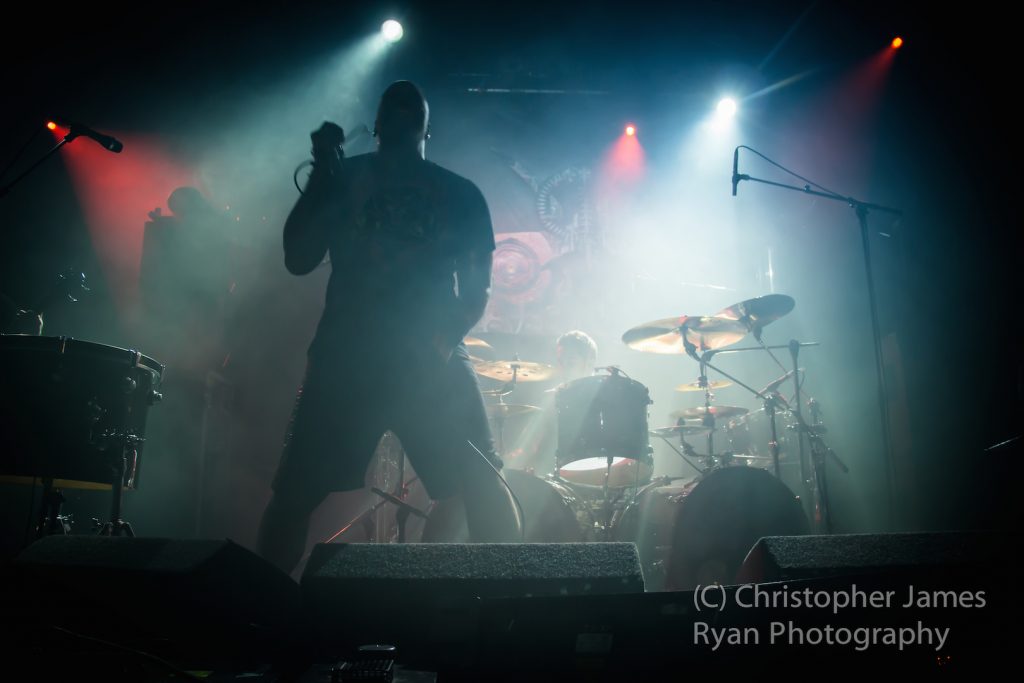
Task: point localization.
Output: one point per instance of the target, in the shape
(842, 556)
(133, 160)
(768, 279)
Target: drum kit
(688, 530)
(76, 412)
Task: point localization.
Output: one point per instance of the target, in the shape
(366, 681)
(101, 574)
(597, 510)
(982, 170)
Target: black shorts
(349, 399)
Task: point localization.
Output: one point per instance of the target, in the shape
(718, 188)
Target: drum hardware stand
(117, 526)
(687, 451)
(794, 352)
(770, 404)
(861, 209)
(606, 509)
(51, 522)
(708, 420)
(820, 452)
(507, 389)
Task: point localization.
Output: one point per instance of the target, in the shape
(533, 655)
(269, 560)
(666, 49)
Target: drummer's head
(577, 354)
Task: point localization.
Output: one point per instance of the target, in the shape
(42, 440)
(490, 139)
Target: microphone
(794, 348)
(735, 170)
(78, 130)
(776, 383)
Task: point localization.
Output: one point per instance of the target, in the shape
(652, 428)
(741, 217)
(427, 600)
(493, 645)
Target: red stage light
(897, 43)
(630, 130)
(51, 125)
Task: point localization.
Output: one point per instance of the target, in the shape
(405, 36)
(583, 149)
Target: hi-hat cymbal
(510, 410)
(755, 313)
(685, 430)
(720, 412)
(748, 458)
(666, 335)
(524, 371)
(696, 386)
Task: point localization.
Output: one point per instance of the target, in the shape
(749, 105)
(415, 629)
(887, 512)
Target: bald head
(402, 117)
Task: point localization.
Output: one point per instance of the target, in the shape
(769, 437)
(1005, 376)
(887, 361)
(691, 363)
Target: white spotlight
(727, 108)
(391, 30)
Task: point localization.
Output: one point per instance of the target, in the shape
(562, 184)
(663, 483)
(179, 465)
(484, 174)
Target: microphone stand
(28, 171)
(861, 209)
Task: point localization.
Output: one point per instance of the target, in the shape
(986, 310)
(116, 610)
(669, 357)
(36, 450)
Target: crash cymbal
(665, 335)
(695, 386)
(510, 410)
(502, 370)
(685, 430)
(478, 349)
(755, 313)
(476, 341)
(720, 412)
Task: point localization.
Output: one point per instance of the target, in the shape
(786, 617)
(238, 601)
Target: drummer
(534, 449)
(576, 354)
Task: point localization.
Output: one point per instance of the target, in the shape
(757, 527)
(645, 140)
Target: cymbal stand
(404, 510)
(499, 418)
(708, 419)
(774, 400)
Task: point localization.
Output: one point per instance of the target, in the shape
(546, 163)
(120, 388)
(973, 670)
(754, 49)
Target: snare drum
(552, 513)
(67, 407)
(602, 417)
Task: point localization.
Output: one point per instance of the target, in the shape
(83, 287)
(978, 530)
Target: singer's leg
(448, 441)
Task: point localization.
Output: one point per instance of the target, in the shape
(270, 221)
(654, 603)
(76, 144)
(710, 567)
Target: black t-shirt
(399, 232)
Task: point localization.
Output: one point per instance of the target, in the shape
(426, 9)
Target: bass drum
(721, 518)
(552, 512)
(648, 521)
